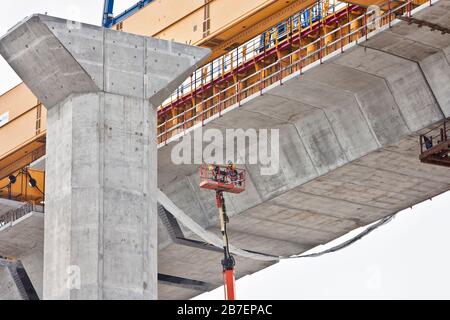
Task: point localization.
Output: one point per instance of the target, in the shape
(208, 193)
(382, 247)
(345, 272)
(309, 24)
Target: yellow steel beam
(159, 16)
(216, 24)
(251, 25)
(367, 3)
(23, 156)
(22, 131)
(23, 188)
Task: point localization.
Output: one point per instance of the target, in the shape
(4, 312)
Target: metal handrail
(251, 48)
(22, 161)
(435, 136)
(199, 111)
(16, 214)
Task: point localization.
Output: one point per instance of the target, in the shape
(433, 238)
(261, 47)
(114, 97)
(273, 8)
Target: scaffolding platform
(435, 146)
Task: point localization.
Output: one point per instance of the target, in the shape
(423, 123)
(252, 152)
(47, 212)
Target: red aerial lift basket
(222, 178)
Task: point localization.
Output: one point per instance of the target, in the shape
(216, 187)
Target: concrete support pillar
(101, 88)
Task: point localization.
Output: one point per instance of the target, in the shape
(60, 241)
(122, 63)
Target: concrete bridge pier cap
(101, 88)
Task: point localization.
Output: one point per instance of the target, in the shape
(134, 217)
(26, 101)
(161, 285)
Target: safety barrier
(16, 214)
(172, 126)
(435, 136)
(307, 19)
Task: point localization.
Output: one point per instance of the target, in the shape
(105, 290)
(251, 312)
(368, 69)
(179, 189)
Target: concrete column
(9, 289)
(101, 88)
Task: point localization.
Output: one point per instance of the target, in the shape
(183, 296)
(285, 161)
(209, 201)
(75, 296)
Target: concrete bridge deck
(348, 153)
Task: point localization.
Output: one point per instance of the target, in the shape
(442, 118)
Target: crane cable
(217, 242)
(6, 186)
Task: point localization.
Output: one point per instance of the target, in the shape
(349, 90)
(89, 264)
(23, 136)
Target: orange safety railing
(214, 104)
(252, 48)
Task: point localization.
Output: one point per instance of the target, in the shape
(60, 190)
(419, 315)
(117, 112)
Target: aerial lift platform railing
(219, 179)
(435, 145)
(211, 100)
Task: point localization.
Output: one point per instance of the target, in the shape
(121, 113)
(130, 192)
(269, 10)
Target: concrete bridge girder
(348, 152)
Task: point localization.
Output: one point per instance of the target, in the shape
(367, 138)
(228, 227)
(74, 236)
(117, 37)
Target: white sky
(406, 259)
(11, 12)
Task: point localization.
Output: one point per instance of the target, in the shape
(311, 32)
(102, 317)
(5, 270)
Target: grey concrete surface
(9, 289)
(7, 205)
(349, 153)
(23, 239)
(101, 88)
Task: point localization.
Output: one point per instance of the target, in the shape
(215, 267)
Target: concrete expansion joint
(391, 91)
(420, 23)
(289, 121)
(445, 56)
(343, 200)
(418, 63)
(248, 232)
(328, 84)
(282, 121)
(398, 55)
(295, 101)
(431, 89)
(392, 171)
(299, 226)
(202, 208)
(366, 73)
(366, 119)
(283, 205)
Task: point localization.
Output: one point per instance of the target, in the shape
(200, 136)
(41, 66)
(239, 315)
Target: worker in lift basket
(232, 173)
(428, 142)
(217, 174)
